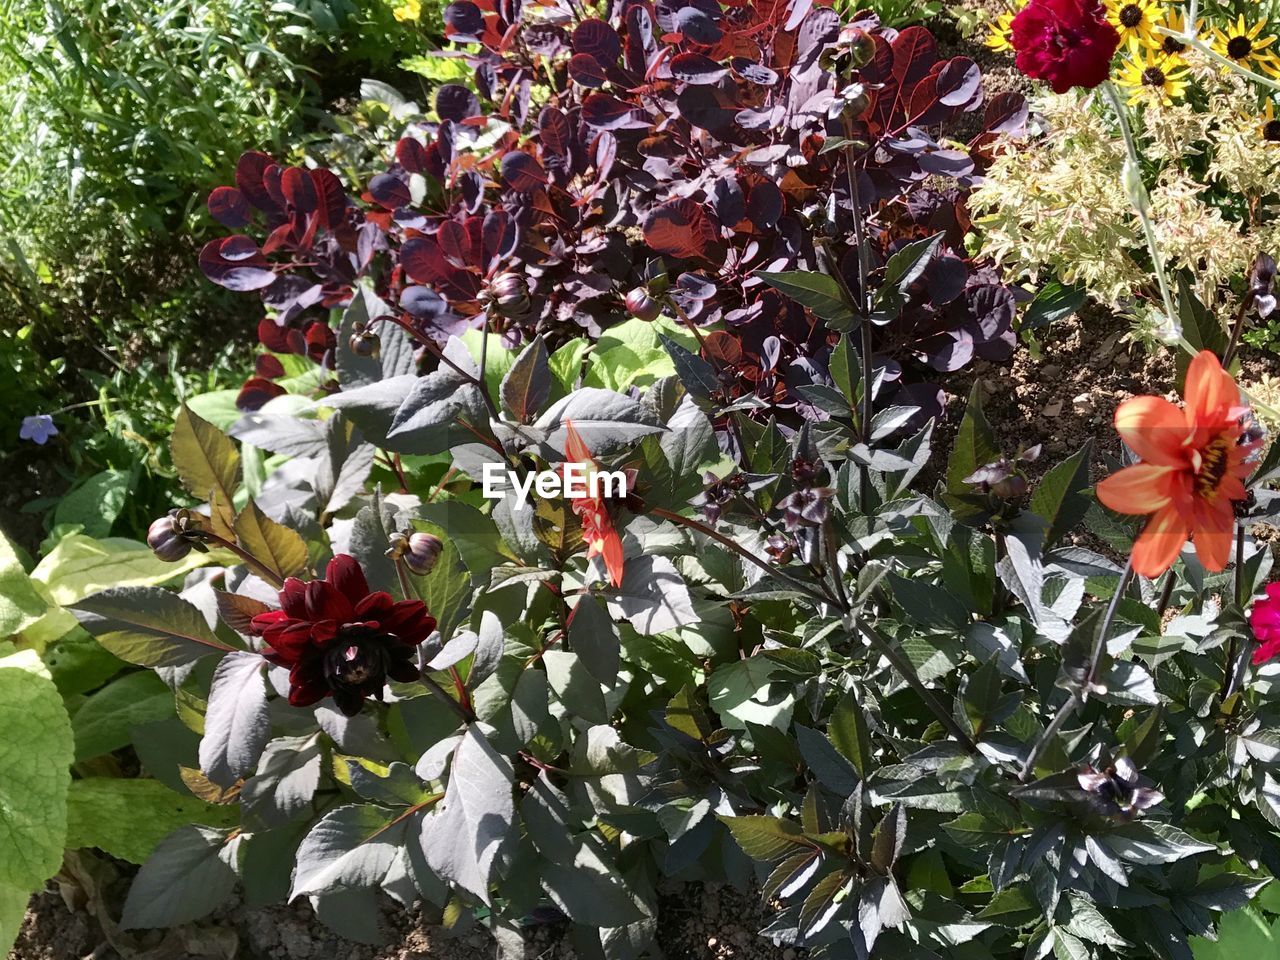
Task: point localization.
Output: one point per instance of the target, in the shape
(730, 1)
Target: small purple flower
(38, 428)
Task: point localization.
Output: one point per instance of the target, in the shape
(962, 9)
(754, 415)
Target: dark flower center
(1131, 15)
(1153, 77)
(1172, 45)
(1213, 467)
(1239, 47)
(1271, 131)
(356, 661)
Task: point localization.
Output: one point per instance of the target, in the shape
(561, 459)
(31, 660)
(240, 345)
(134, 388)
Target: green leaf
(766, 838)
(576, 689)
(1059, 497)
(446, 590)
(103, 722)
(350, 848)
(851, 735)
(129, 818)
(975, 446)
(20, 603)
(80, 565)
(817, 291)
(96, 503)
(846, 371)
(206, 459)
(35, 759)
(148, 626)
(1241, 933)
(1054, 301)
(594, 638)
(185, 878)
(279, 547)
(566, 363)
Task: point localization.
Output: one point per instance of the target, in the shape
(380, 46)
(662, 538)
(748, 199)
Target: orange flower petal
(1211, 392)
(613, 556)
(1213, 532)
(574, 446)
(1154, 429)
(1160, 543)
(1141, 488)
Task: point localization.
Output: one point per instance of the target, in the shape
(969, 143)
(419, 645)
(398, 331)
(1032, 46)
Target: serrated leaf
(148, 626)
(528, 383)
(817, 291)
(283, 550)
(850, 733)
(127, 818)
(236, 722)
(351, 848)
(1059, 498)
(35, 760)
(206, 459)
(185, 878)
(766, 838)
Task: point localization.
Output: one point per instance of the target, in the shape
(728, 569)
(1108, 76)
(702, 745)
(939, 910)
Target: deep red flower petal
(345, 574)
(375, 606)
(290, 641)
(327, 602)
(293, 598)
(265, 621)
(306, 683)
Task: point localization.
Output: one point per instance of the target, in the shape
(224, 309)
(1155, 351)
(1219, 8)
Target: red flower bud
(641, 305)
(166, 540)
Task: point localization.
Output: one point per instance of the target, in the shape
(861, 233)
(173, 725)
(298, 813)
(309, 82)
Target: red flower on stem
(1264, 619)
(1066, 43)
(337, 638)
(597, 525)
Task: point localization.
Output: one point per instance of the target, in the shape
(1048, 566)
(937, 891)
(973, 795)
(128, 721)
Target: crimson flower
(339, 639)
(1067, 43)
(1264, 618)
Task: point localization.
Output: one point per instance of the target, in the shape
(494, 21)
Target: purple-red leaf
(680, 228)
(229, 207)
(597, 39)
(389, 191)
(522, 172)
(695, 68)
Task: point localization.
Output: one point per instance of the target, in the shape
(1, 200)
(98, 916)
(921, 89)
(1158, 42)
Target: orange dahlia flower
(593, 511)
(1193, 463)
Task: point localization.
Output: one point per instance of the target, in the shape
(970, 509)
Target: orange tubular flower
(597, 526)
(1193, 463)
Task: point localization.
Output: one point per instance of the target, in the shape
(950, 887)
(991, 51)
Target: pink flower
(1264, 618)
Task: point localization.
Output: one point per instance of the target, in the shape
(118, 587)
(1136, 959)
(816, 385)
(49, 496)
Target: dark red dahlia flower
(1066, 43)
(338, 638)
(1264, 618)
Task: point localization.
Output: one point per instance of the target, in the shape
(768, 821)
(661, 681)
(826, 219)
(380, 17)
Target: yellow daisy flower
(1135, 20)
(1149, 75)
(1000, 33)
(408, 10)
(1176, 21)
(1247, 46)
(1269, 128)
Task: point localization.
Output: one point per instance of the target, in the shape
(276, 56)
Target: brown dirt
(696, 922)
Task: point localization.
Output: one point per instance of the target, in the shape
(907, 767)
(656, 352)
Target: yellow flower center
(1211, 467)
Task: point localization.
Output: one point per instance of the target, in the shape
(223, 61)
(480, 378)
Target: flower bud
(165, 539)
(642, 306)
(365, 344)
(509, 294)
(422, 553)
(860, 46)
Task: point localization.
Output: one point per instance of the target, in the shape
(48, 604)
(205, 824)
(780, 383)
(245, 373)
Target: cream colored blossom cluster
(1054, 204)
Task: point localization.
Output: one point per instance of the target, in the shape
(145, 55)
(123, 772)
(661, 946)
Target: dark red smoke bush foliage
(672, 152)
